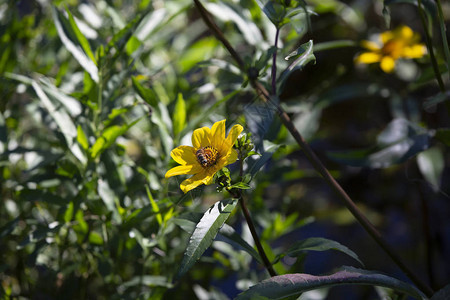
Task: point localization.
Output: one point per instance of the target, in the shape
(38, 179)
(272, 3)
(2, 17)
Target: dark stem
(427, 233)
(430, 47)
(260, 248)
(320, 168)
(274, 64)
(251, 225)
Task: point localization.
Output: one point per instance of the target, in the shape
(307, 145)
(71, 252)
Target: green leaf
(95, 238)
(201, 50)
(205, 232)
(240, 185)
(319, 244)
(146, 94)
(276, 12)
(154, 206)
(71, 42)
(192, 124)
(81, 138)
(80, 37)
(69, 213)
(226, 12)
(108, 137)
(431, 164)
(158, 114)
(302, 56)
(290, 285)
(179, 115)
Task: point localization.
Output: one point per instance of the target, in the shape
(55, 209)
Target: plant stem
(274, 64)
(251, 225)
(258, 245)
(434, 63)
(427, 233)
(315, 161)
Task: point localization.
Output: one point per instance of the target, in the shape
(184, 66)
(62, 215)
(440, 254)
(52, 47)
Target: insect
(207, 156)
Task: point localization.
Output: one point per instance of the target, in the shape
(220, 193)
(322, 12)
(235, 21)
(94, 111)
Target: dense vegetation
(335, 171)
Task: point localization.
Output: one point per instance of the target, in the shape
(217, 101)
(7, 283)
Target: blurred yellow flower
(399, 43)
(211, 152)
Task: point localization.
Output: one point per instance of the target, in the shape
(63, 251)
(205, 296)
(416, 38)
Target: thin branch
(274, 64)
(315, 161)
(258, 245)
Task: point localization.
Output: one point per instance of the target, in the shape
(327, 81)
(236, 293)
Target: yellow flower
(211, 152)
(399, 43)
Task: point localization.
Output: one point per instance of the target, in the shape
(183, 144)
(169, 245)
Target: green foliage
(96, 95)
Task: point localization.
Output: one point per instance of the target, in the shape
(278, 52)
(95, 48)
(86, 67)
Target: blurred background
(88, 118)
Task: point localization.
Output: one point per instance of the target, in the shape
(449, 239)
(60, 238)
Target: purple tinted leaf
(279, 287)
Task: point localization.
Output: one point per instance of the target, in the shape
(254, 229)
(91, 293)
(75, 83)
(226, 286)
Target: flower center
(393, 48)
(207, 156)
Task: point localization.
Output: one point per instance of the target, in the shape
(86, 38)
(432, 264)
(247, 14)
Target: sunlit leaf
(80, 37)
(179, 115)
(205, 232)
(108, 137)
(70, 41)
(81, 138)
(225, 12)
(197, 52)
(431, 164)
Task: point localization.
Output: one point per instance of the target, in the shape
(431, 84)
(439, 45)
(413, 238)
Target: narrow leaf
(154, 206)
(290, 285)
(319, 244)
(205, 232)
(63, 120)
(68, 37)
(80, 37)
(108, 138)
(179, 115)
(81, 138)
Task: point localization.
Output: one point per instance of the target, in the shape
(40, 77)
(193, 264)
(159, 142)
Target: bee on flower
(399, 43)
(210, 152)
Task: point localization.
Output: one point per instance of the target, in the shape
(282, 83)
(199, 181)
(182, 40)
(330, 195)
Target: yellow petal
(184, 155)
(204, 177)
(368, 58)
(372, 46)
(386, 36)
(404, 32)
(184, 170)
(233, 135)
(232, 157)
(415, 51)
(201, 137)
(387, 64)
(218, 134)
